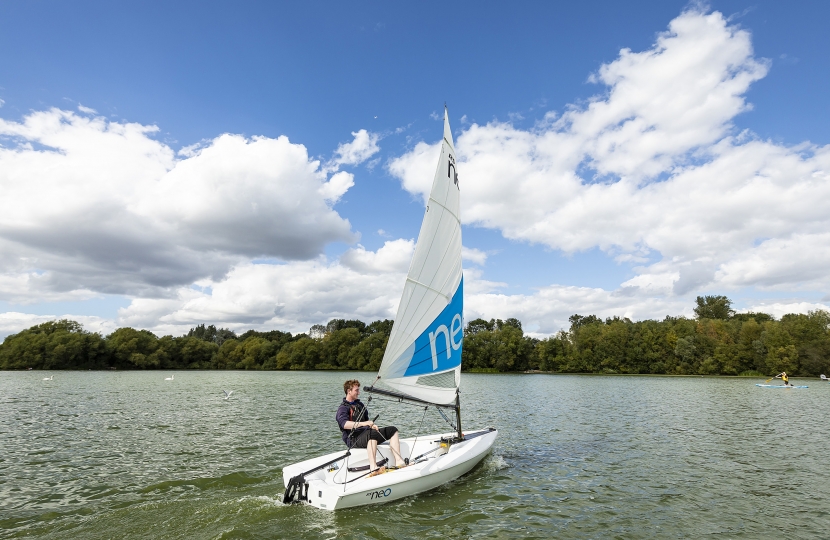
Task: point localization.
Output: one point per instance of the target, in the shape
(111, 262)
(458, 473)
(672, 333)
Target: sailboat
(421, 365)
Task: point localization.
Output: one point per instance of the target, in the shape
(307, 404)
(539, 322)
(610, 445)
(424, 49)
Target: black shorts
(381, 435)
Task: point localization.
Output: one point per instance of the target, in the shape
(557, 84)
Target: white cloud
(547, 311)
(337, 186)
(474, 255)
(86, 110)
(779, 309)
(94, 205)
(416, 168)
(653, 171)
(13, 322)
(394, 256)
(364, 146)
(291, 296)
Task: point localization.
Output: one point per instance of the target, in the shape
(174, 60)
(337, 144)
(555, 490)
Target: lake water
(128, 454)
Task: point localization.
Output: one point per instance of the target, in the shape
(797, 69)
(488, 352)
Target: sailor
(360, 432)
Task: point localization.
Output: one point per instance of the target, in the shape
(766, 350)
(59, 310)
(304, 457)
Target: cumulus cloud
(547, 311)
(364, 146)
(416, 169)
(94, 205)
(295, 295)
(13, 322)
(653, 172)
(291, 296)
(394, 256)
(474, 255)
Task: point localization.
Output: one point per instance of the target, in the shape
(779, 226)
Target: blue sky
(319, 72)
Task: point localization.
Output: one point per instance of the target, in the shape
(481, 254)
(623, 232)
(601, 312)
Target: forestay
(423, 356)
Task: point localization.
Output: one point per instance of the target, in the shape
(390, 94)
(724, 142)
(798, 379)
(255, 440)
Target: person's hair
(349, 384)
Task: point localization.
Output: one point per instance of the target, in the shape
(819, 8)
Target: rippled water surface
(128, 454)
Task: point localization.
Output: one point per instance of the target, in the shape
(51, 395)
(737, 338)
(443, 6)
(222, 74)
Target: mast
(458, 413)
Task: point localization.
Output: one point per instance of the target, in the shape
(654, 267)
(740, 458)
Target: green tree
(714, 307)
(301, 354)
(336, 346)
(59, 344)
(133, 349)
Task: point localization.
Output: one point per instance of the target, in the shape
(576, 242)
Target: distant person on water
(783, 377)
(360, 432)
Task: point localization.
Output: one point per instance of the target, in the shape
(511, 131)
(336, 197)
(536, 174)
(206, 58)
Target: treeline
(716, 341)
(65, 344)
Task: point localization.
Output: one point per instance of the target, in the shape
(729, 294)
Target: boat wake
(494, 462)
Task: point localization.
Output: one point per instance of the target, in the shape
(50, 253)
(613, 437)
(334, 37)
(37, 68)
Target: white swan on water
(49, 378)
(170, 378)
(227, 394)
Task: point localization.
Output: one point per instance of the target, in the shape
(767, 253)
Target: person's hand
(375, 427)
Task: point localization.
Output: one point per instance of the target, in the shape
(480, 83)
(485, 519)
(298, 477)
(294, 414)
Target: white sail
(423, 356)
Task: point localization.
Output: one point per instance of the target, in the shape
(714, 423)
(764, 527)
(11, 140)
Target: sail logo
(449, 339)
(438, 347)
(451, 172)
(379, 494)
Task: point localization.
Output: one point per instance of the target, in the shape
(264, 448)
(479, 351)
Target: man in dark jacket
(360, 432)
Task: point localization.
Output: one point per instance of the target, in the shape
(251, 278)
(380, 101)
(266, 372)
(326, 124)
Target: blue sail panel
(439, 347)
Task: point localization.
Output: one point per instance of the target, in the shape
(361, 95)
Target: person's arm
(351, 425)
(364, 413)
(346, 424)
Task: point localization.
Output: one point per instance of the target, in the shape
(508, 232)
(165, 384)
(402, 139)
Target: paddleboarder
(783, 377)
(358, 431)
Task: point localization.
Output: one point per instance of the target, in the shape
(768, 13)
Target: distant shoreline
(726, 344)
(535, 372)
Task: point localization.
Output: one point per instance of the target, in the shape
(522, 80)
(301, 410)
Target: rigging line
(447, 420)
(353, 479)
(428, 287)
(447, 209)
(417, 434)
(351, 442)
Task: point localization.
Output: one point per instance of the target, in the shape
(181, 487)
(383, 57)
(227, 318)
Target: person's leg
(371, 451)
(390, 433)
(395, 445)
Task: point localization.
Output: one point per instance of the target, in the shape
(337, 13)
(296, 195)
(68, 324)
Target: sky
(265, 165)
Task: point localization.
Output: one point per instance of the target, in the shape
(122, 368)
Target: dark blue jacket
(355, 412)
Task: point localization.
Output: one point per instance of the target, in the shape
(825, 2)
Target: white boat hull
(333, 489)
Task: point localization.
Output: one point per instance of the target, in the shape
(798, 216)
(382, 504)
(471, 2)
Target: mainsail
(423, 356)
